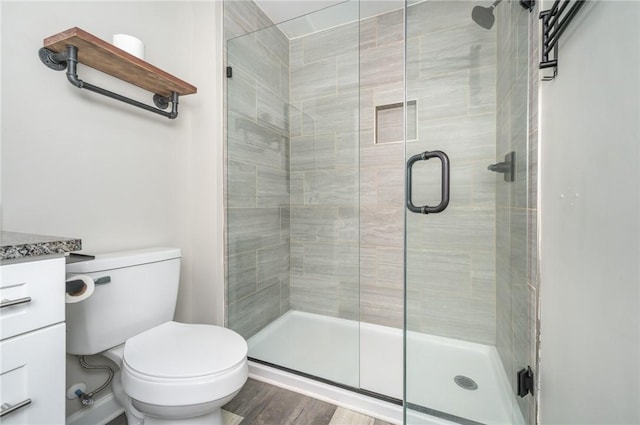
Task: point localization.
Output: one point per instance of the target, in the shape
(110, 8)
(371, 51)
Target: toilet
(169, 372)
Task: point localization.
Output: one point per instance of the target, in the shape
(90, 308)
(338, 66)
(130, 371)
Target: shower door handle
(444, 199)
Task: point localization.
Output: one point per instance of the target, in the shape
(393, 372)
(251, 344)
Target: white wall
(77, 164)
(590, 188)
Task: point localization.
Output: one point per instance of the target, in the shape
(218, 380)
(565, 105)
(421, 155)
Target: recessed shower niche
(390, 122)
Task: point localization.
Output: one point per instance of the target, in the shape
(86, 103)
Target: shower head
(483, 16)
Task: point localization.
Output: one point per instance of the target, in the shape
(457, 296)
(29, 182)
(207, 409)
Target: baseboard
(102, 412)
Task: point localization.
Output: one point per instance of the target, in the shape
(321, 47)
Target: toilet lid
(180, 350)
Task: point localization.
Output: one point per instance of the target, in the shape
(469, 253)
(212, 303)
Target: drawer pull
(7, 408)
(9, 303)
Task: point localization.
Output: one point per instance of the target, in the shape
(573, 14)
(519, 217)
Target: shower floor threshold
(369, 357)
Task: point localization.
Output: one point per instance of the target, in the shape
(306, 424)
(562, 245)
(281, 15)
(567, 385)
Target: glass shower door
(293, 193)
(466, 234)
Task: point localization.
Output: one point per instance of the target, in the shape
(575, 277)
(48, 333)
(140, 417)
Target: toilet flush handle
(103, 280)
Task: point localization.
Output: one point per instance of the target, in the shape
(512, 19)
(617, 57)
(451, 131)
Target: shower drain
(465, 382)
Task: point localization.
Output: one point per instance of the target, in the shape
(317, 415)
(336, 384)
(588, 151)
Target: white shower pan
(370, 357)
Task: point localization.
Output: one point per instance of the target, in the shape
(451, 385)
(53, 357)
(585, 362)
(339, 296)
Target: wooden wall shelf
(105, 57)
(68, 48)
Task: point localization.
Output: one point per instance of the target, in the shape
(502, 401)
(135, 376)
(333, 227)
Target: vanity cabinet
(32, 341)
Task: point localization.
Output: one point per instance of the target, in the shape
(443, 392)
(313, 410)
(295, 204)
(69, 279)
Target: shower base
(369, 359)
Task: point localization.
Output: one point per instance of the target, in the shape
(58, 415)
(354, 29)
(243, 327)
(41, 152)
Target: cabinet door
(32, 367)
(37, 289)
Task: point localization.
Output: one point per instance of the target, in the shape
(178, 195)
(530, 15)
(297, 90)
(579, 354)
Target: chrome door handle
(6, 408)
(444, 186)
(9, 303)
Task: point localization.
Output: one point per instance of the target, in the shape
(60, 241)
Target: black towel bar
(554, 22)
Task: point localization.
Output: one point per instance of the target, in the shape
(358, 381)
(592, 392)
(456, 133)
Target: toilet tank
(141, 294)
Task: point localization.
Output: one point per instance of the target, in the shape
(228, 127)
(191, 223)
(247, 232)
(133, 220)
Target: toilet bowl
(169, 372)
(177, 371)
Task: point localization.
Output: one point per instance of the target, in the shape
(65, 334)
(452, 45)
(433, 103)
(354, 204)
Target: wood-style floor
(259, 403)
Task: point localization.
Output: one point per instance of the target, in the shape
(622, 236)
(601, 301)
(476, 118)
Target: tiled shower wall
(451, 257)
(381, 173)
(257, 189)
(324, 172)
(360, 224)
(451, 71)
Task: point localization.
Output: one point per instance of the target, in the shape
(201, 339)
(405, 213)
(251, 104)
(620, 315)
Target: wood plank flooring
(259, 403)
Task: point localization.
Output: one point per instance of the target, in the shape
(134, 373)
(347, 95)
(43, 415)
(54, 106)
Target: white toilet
(170, 373)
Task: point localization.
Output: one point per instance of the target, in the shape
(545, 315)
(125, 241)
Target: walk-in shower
(334, 271)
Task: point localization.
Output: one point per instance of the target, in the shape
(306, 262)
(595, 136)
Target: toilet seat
(178, 364)
(179, 350)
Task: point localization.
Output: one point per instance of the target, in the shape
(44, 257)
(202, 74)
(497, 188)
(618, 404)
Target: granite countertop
(22, 245)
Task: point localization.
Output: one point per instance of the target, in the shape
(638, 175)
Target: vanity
(32, 329)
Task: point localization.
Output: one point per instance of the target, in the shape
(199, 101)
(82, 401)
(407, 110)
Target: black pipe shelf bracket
(67, 49)
(554, 23)
(68, 59)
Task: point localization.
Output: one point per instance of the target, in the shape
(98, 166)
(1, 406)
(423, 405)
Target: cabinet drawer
(37, 287)
(32, 368)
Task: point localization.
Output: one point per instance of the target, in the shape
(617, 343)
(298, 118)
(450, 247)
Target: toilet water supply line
(87, 398)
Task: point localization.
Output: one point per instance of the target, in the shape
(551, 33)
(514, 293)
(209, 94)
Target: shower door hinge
(528, 4)
(525, 381)
(229, 72)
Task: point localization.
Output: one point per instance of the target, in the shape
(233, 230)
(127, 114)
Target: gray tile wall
(516, 232)
(324, 177)
(257, 187)
(381, 173)
(451, 257)
(451, 72)
(243, 17)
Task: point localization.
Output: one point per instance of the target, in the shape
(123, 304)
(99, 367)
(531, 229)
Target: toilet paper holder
(102, 280)
(73, 287)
